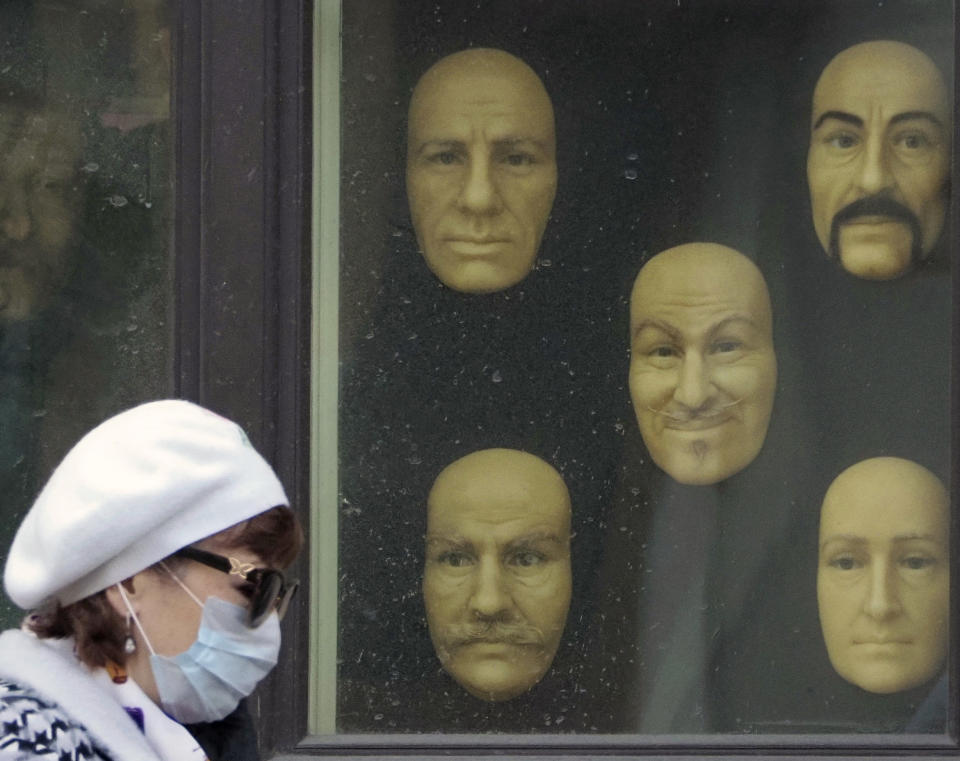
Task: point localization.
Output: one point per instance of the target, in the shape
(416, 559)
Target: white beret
(131, 492)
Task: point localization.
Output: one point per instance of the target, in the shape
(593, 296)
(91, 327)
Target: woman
(150, 561)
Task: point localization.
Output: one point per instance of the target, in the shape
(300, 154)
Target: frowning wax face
(481, 168)
(702, 367)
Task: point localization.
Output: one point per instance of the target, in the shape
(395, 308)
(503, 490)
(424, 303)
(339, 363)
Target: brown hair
(99, 631)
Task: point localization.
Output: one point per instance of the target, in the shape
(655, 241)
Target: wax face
(481, 169)
(702, 368)
(38, 208)
(883, 578)
(879, 159)
(497, 579)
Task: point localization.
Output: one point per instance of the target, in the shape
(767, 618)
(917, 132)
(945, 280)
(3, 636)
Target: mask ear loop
(183, 586)
(136, 619)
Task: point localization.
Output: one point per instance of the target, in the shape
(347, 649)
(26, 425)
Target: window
(209, 270)
(694, 611)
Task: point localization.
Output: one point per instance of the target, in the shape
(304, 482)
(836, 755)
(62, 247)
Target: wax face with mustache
(481, 168)
(879, 159)
(497, 580)
(702, 366)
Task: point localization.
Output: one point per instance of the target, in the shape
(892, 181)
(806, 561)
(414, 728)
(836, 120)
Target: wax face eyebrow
(453, 541)
(652, 322)
(848, 538)
(676, 334)
(533, 538)
(916, 537)
(513, 142)
(841, 116)
(911, 115)
(858, 122)
(856, 539)
(737, 318)
(450, 145)
(504, 143)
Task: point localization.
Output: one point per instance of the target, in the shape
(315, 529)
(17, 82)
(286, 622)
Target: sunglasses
(271, 591)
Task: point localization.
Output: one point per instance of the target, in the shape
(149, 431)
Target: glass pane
(85, 208)
(495, 211)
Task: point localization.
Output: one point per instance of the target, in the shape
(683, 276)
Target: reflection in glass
(84, 224)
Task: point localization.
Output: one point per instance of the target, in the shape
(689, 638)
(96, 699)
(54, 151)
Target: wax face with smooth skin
(481, 168)
(878, 166)
(497, 579)
(883, 577)
(702, 366)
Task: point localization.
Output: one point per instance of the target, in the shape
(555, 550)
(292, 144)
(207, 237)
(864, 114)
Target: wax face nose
(883, 599)
(693, 381)
(489, 597)
(479, 193)
(14, 215)
(873, 171)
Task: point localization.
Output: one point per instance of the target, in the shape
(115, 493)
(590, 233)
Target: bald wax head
(481, 168)
(702, 367)
(878, 166)
(883, 577)
(497, 579)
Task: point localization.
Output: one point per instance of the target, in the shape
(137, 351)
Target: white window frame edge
(324, 365)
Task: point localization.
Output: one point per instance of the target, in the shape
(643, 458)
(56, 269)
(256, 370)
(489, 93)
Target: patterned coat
(51, 708)
(34, 728)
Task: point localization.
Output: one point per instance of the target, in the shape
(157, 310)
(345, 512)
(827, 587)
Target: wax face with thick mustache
(702, 366)
(878, 165)
(883, 577)
(496, 582)
(481, 168)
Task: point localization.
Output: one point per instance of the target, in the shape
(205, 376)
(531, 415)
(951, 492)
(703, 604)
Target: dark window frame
(241, 100)
(241, 233)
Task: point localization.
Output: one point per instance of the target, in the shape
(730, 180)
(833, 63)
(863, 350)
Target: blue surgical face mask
(224, 664)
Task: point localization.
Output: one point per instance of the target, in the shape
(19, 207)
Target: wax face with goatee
(702, 366)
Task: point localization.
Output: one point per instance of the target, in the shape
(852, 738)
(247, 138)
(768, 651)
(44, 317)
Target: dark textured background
(676, 121)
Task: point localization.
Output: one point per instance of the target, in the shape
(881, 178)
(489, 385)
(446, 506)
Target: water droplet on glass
(631, 173)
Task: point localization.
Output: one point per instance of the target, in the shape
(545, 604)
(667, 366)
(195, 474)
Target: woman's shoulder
(32, 727)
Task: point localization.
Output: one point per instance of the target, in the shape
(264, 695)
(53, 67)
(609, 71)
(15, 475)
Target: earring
(129, 643)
